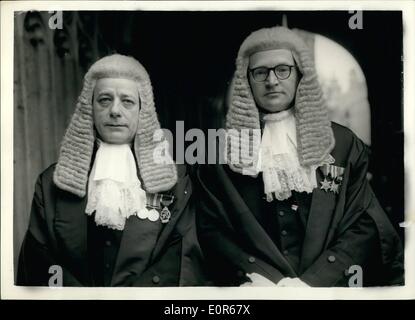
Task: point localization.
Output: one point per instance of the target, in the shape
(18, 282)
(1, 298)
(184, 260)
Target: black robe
(60, 233)
(340, 230)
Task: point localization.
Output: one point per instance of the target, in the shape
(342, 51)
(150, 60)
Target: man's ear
(297, 64)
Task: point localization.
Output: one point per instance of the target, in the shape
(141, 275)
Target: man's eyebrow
(270, 65)
(129, 94)
(282, 60)
(105, 91)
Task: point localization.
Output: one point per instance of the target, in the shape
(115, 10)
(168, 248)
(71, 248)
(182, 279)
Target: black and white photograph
(260, 147)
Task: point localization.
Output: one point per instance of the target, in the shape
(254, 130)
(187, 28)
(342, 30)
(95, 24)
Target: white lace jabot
(278, 158)
(114, 190)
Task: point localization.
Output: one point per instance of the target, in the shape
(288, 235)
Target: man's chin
(274, 108)
(116, 139)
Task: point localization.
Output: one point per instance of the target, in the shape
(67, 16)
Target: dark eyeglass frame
(274, 69)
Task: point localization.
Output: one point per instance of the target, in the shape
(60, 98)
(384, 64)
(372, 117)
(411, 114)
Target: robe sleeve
(36, 254)
(227, 263)
(363, 235)
(353, 248)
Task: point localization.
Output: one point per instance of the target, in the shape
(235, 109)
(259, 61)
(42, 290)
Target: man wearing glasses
(297, 209)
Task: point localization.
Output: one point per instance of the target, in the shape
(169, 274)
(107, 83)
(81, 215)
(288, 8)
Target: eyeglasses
(282, 72)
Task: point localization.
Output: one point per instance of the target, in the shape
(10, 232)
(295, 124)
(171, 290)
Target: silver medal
(142, 214)
(165, 215)
(153, 215)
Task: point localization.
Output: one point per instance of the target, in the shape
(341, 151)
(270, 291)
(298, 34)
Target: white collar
(278, 158)
(115, 162)
(114, 190)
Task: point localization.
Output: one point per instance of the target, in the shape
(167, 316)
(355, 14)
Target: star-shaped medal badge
(334, 187)
(325, 185)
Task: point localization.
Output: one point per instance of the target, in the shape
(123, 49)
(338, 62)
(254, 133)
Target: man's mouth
(273, 93)
(116, 125)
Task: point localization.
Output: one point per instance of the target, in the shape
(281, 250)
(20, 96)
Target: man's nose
(115, 110)
(272, 78)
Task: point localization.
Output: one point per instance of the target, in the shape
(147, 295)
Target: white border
(9, 291)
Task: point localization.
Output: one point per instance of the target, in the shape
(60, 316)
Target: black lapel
(318, 223)
(250, 194)
(137, 242)
(140, 245)
(71, 233)
(182, 192)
